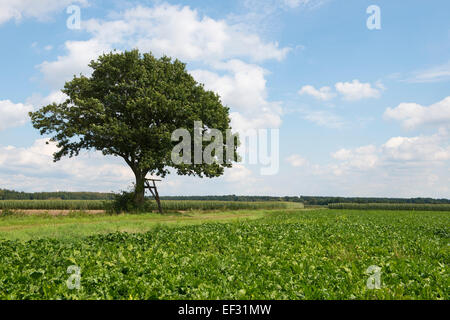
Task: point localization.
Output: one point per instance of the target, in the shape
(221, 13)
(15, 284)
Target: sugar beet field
(266, 252)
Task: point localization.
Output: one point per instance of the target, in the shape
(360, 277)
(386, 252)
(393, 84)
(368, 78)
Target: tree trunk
(139, 190)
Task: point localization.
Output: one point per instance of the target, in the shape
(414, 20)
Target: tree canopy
(128, 107)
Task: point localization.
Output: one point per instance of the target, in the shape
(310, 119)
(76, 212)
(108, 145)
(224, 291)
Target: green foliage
(390, 206)
(124, 202)
(7, 213)
(321, 254)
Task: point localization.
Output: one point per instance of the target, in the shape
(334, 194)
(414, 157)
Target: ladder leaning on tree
(154, 191)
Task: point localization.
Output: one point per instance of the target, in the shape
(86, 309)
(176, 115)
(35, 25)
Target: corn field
(52, 204)
(223, 205)
(390, 206)
(166, 204)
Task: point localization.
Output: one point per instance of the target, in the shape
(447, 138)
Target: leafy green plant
(7, 213)
(315, 254)
(124, 202)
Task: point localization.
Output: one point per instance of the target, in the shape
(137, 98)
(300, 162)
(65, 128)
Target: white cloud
(16, 114)
(32, 169)
(37, 100)
(181, 32)
(80, 53)
(260, 15)
(396, 152)
(413, 115)
(433, 74)
(164, 29)
(90, 170)
(323, 118)
(295, 3)
(238, 173)
(244, 89)
(13, 114)
(42, 9)
(323, 93)
(303, 3)
(421, 148)
(417, 167)
(296, 160)
(356, 90)
(351, 91)
(361, 158)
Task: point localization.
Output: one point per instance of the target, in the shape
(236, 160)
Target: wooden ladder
(154, 191)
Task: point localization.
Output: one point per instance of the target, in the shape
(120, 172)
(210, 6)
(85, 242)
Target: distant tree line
(307, 200)
(312, 200)
(16, 195)
(327, 200)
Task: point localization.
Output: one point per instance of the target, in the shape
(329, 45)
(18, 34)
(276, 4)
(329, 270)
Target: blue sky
(360, 112)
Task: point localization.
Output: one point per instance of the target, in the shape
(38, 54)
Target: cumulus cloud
(357, 90)
(37, 100)
(90, 170)
(296, 160)
(350, 91)
(32, 169)
(221, 48)
(412, 115)
(238, 173)
(360, 158)
(181, 32)
(13, 114)
(16, 114)
(323, 93)
(422, 148)
(397, 151)
(165, 30)
(243, 88)
(42, 9)
(417, 166)
(79, 54)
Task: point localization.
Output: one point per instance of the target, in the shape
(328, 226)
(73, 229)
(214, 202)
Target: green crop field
(247, 254)
(166, 205)
(390, 206)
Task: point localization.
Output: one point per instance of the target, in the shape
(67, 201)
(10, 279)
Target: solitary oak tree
(129, 107)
